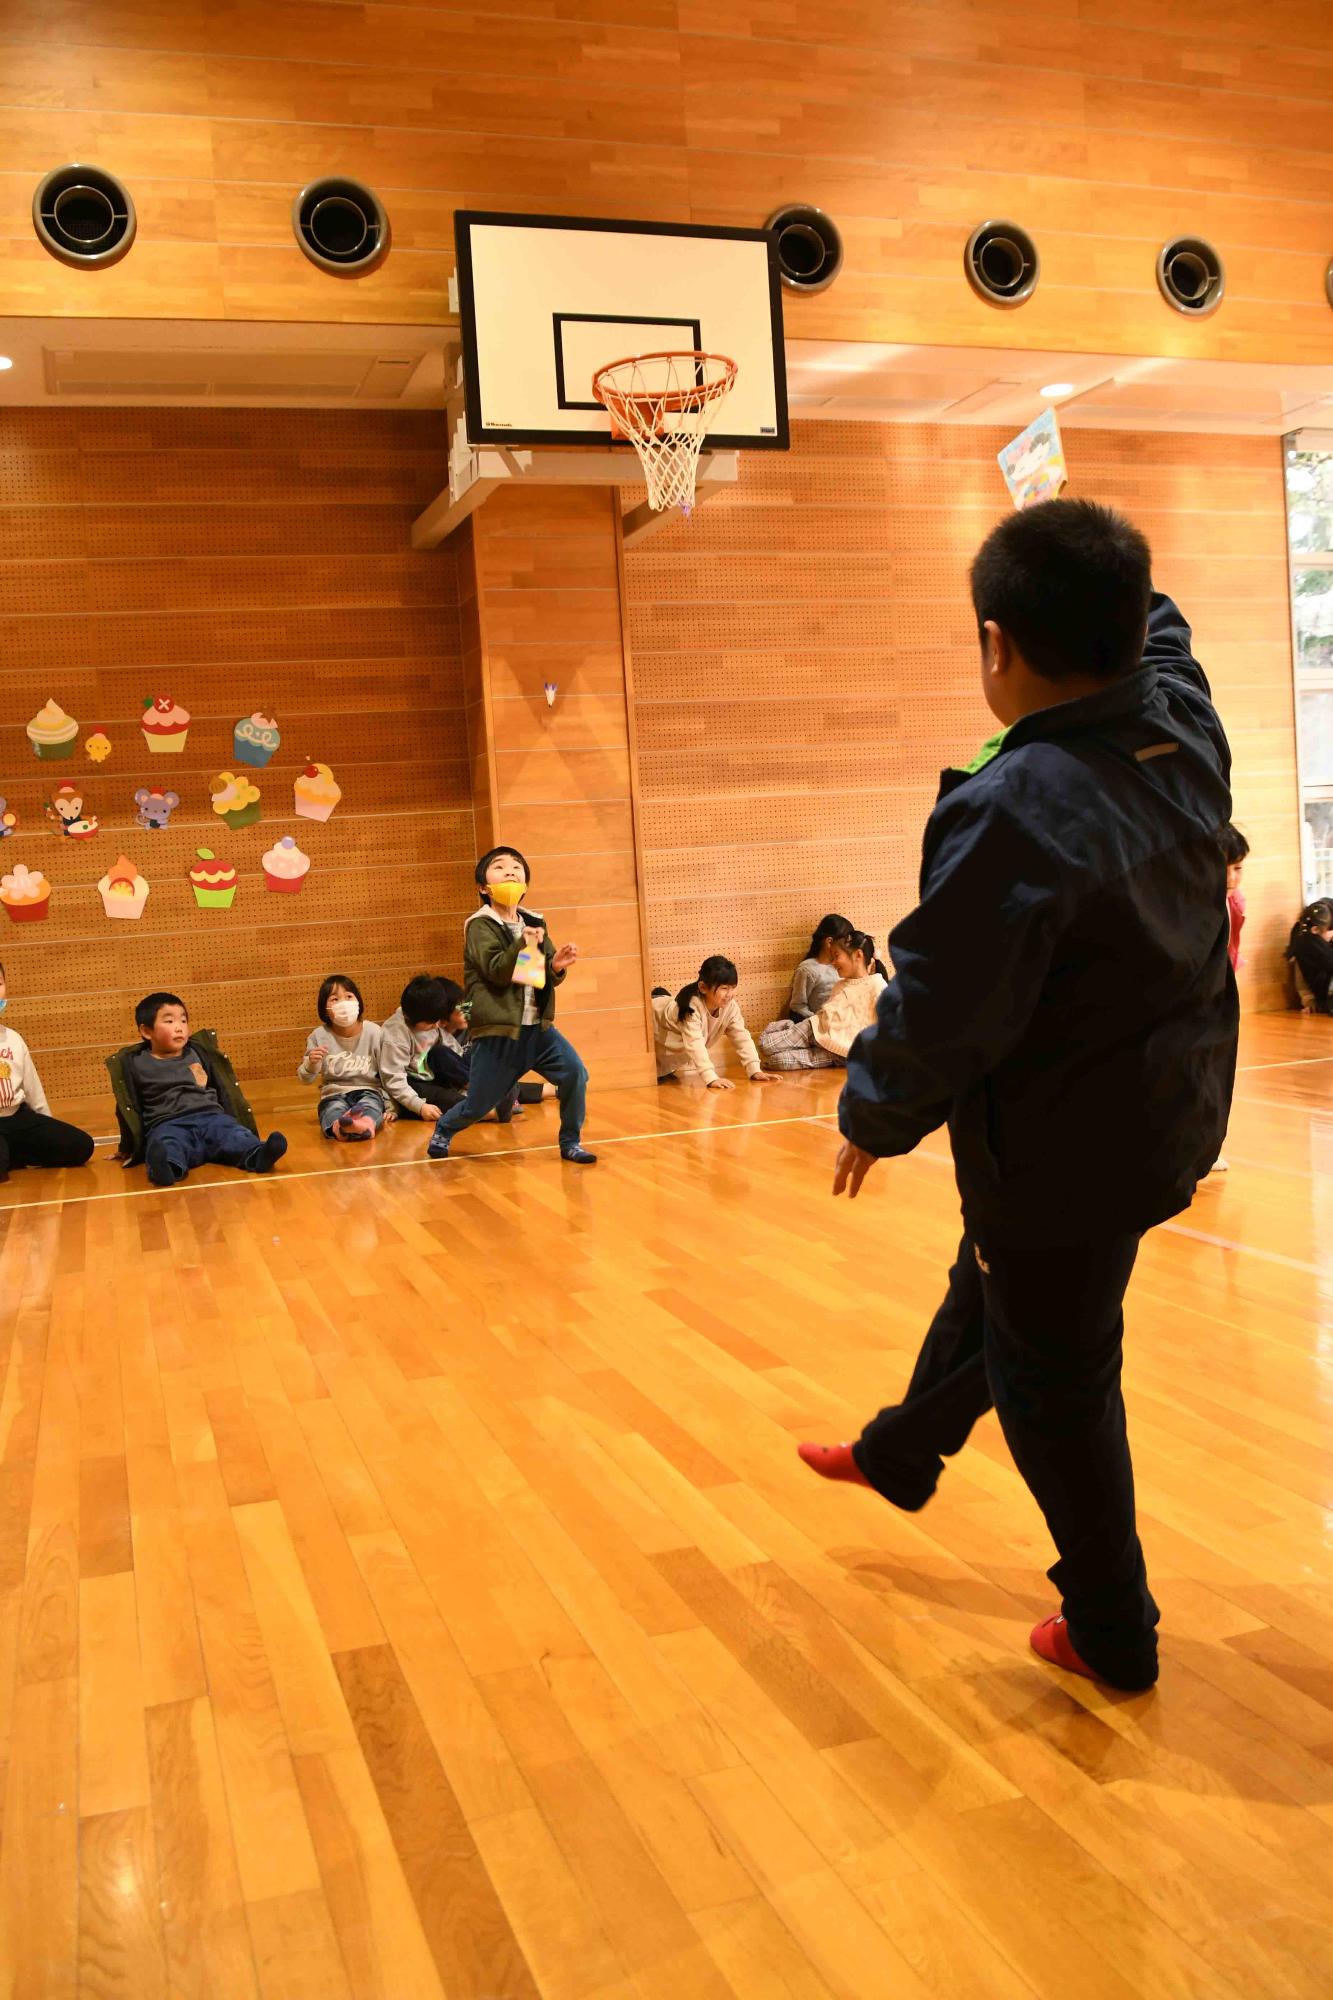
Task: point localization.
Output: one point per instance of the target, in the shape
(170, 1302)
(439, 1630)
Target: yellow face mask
(505, 896)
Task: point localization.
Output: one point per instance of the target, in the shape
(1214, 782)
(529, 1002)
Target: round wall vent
(1190, 276)
(1328, 281)
(1001, 263)
(809, 247)
(341, 226)
(83, 216)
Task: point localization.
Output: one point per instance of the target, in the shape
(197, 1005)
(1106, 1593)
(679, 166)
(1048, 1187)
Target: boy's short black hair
(423, 999)
(479, 874)
(1069, 582)
(1233, 844)
(453, 996)
(148, 1009)
(338, 979)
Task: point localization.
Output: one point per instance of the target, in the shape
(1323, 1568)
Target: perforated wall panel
(805, 662)
(235, 561)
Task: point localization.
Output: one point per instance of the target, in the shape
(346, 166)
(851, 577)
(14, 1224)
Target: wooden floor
(408, 1586)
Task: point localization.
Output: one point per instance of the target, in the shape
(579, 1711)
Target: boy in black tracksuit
(1086, 1075)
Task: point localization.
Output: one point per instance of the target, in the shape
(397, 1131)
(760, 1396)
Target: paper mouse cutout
(155, 807)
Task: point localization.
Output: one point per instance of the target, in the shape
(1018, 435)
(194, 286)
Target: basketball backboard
(546, 300)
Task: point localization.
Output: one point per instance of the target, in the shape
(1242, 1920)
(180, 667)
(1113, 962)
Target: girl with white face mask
(342, 1057)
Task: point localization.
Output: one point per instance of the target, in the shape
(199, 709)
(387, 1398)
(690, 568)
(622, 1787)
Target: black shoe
(578, 1156)
(269, 1153)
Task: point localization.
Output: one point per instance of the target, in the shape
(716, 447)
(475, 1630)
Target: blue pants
(367, 1103)
(497, 1065)
(182, 1143)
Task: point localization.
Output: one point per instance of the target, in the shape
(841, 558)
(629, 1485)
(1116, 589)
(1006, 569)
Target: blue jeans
(365, 1103)
(497, 1065)
(181, 1143)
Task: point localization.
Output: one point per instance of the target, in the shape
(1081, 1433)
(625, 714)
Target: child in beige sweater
(704, 1014)
(822, 1041)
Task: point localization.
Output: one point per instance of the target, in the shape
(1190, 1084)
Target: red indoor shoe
(833, 1461)
(1051, 1641)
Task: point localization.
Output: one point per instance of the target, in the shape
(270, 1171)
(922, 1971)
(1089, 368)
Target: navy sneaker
(578, 1156)
(438, 1149)
(268, 1155)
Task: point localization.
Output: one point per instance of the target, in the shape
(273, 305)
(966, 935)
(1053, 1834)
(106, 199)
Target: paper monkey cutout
(65, 808)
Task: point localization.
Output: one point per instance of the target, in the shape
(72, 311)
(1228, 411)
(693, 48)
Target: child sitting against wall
(342, 1057)
(178, 1103)
(1310, 951)
(689, 1028)
(815, 978)
(822, 1041)
(29, 1135)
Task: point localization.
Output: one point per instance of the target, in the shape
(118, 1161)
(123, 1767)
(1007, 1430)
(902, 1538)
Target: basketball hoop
(665, 405)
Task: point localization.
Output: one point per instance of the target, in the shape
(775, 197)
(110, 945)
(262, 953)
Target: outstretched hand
(851, 1168)
(565, 957)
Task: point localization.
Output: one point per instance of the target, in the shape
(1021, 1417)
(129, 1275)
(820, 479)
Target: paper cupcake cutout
(97, 746)
(155, 807)
(317, 792)
(65, 807)
(51, 732)
(165, 725)
(255, 738)
(285, 867)
(213, 881)
(123, 889)
(26, 894)
(9, 819)
(235, 800)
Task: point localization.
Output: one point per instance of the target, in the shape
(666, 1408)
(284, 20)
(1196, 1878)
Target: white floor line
(389, 1166)
(1244, 1249)
(1291, 1062)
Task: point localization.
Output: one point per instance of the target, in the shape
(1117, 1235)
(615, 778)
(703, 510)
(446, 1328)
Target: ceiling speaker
(83, 216)
(1001, 263)
(1190, 276)
(809, 247)
(341, 226)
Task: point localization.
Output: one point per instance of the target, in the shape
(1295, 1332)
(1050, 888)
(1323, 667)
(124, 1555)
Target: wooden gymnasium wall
(238, 561)
(540, 576)
(805, 665)
(1104, 131)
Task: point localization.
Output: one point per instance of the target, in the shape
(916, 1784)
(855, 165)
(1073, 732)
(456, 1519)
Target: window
(1309, 462)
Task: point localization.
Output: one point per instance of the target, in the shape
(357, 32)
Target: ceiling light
(5, 362)
(1056, 389)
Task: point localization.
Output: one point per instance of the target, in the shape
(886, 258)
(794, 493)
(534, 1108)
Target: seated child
(342, 1056)
(183, 1096)
(1310, 950)
(29, 1135)
(822, 1041)
(815, 978)
(512, 970)
(420, 1055)
(688, 1028)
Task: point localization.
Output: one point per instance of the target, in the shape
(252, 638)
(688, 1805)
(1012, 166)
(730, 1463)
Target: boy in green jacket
(511, 1024)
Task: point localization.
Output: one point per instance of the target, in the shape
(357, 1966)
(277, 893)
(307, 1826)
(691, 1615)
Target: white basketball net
(665, 404)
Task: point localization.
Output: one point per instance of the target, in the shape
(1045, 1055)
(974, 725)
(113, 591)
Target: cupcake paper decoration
(235, 800)
(51, 732)
(97, 746)
(213, 881)
(165, 725)
(316, 791)
(26, 894)
(285, 867)
(123, 890)
(255, 738)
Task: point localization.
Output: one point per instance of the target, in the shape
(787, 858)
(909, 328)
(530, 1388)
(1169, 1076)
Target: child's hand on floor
(765, 1076)
(720, 1083)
